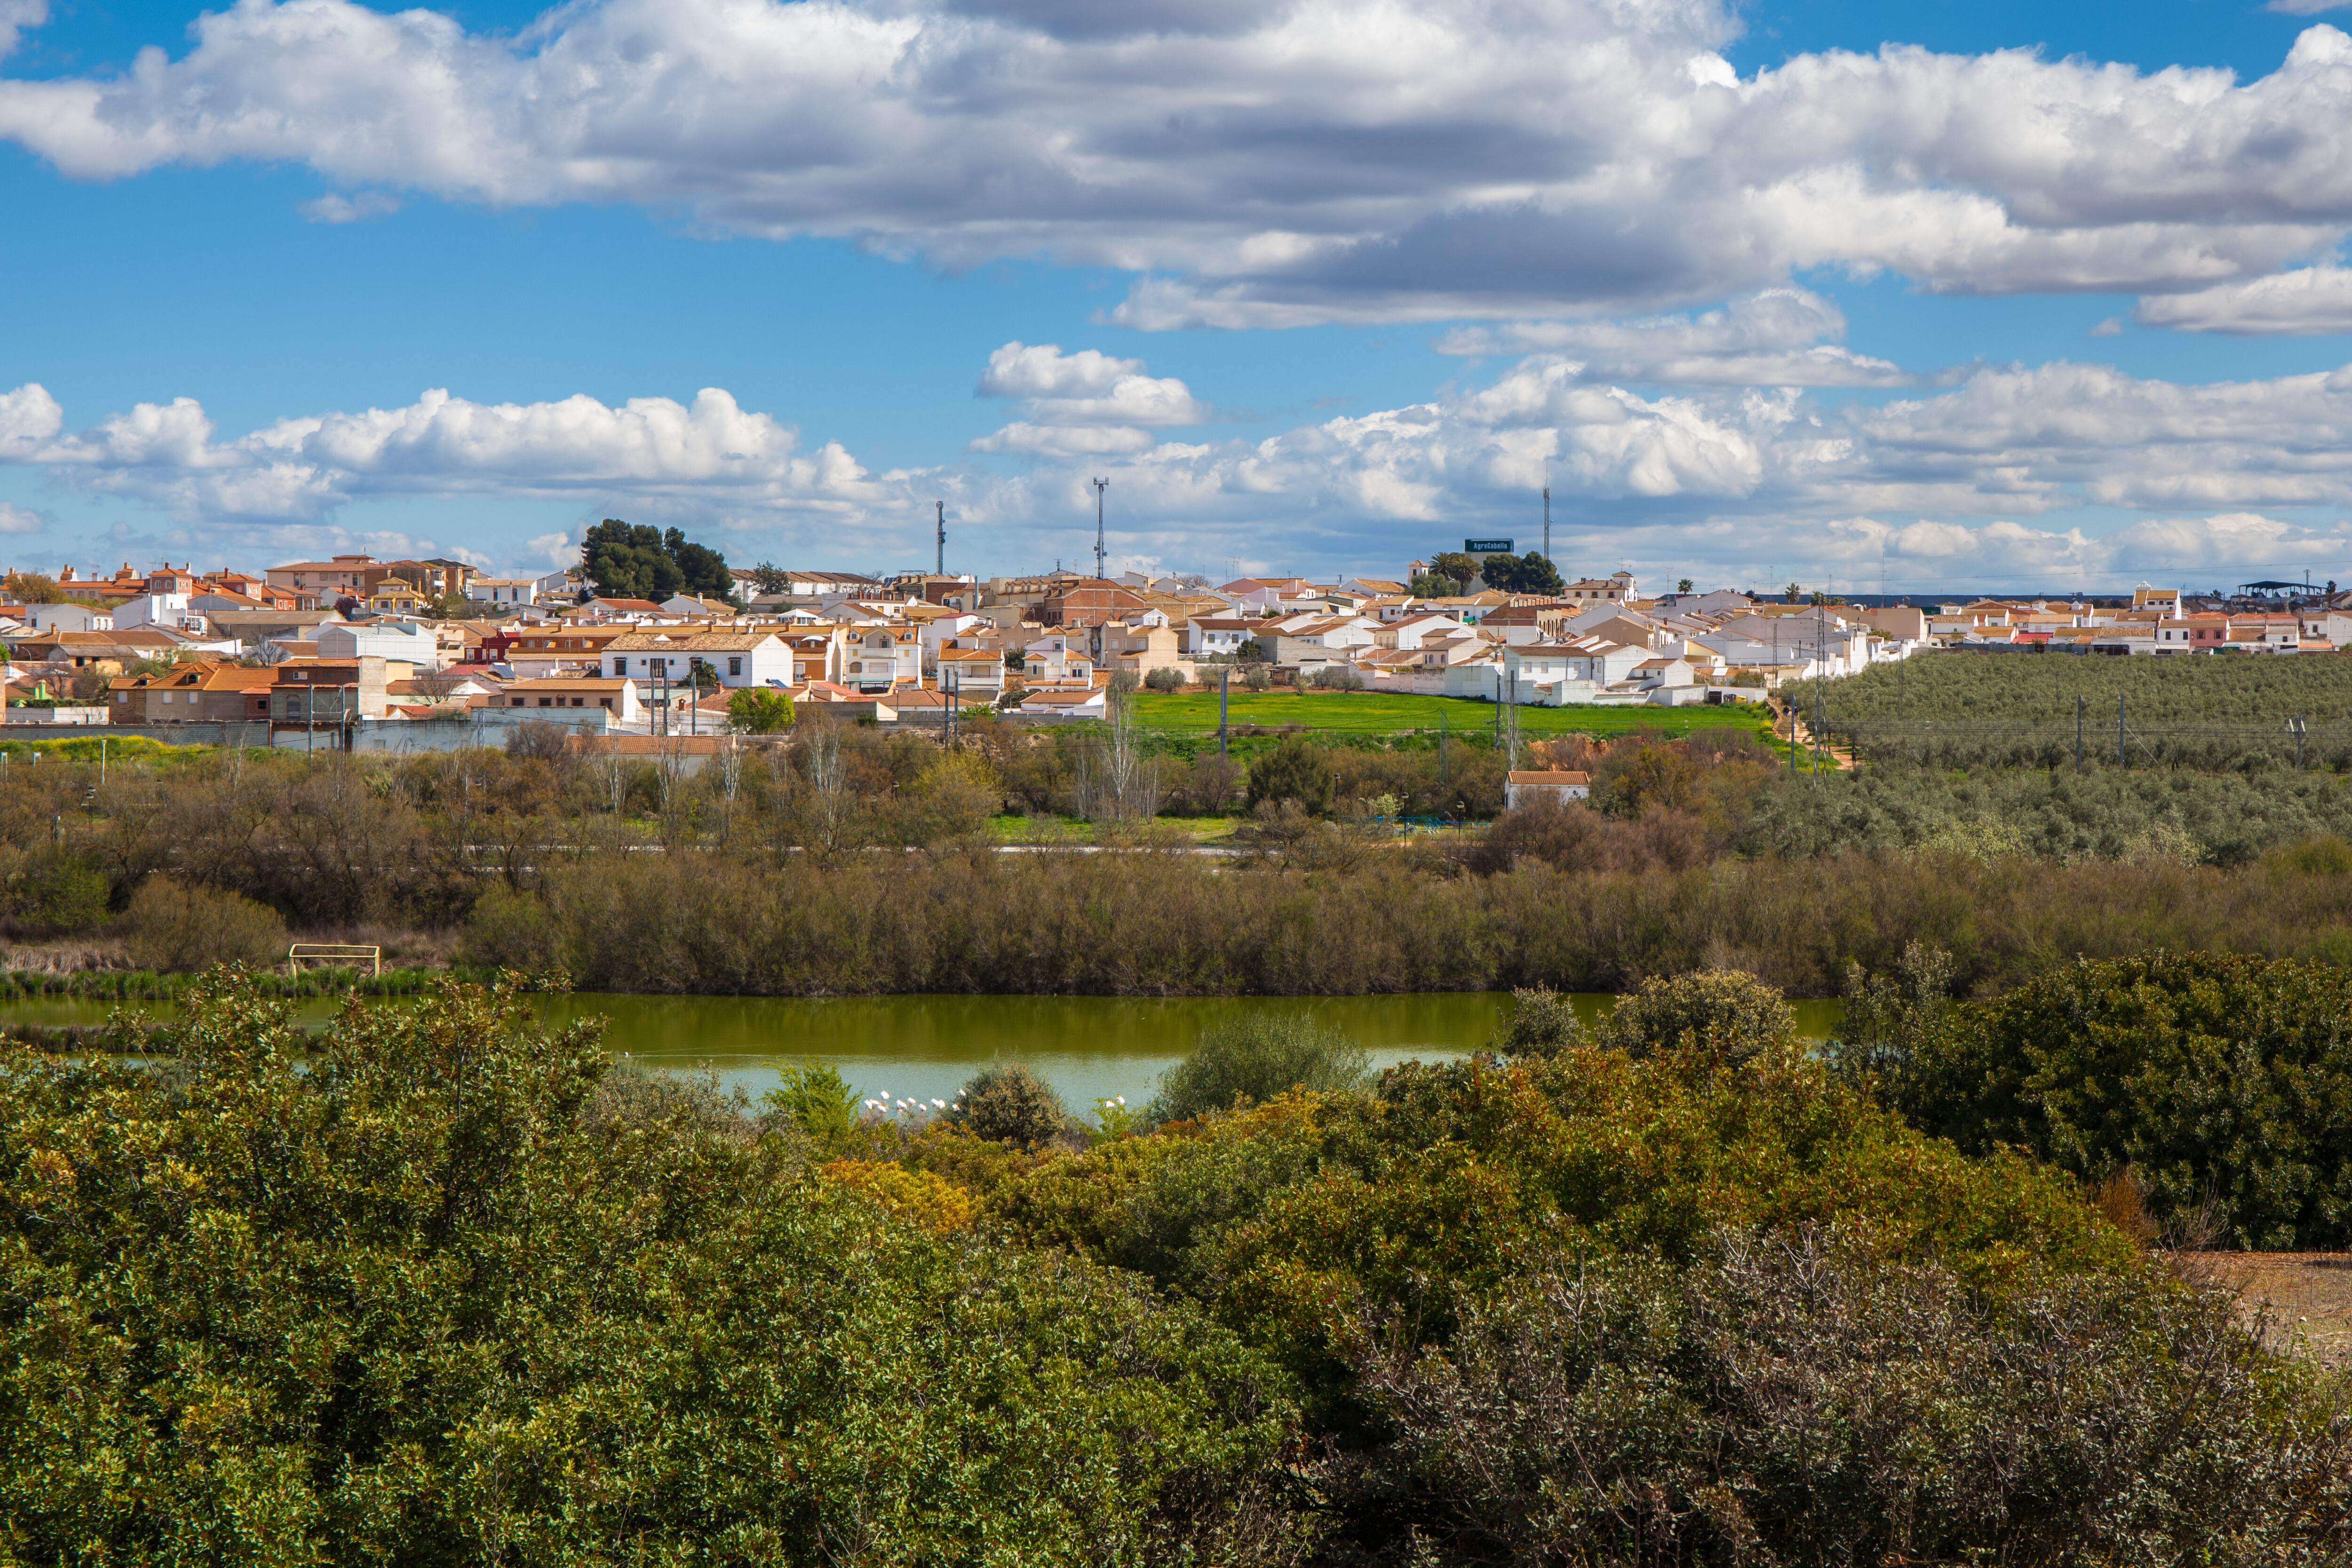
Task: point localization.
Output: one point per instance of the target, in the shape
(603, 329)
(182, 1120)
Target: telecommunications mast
(1101, 486)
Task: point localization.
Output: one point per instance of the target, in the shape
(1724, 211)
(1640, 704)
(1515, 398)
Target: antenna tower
(1101, 486)
(1547, 522)
(940, 507)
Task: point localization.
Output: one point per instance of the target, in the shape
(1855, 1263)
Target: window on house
(735, 667)
(603, 702)
(578, 701)
(547, 702)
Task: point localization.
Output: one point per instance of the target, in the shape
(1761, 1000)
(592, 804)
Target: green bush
(1796, 1399)
(388, 1294)
(1336, 678)
(1253, 1059)
(1727, 1014)
(1543, 1023)
(1294, 770)
(173, 925)
(815, 1098)
(508, 929)
(2213, 1079)
(756, 711)
(1164, 679)
(1007, 1103)
(65, 897)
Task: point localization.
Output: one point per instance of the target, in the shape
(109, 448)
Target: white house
(736, 659)
(1057, 659)
(388, 639)
(882, 657)
(69, 619)
(507, 593)
(1662, 671)
(589, 693)
(688, 607)
(1210, 637)
(976, 672)
(1066, 703)
(1309, 642)
(1411, 633)
(940, 631)
(158, 610)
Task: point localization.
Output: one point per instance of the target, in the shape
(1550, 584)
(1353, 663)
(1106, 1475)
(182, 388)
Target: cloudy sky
(2019, 296)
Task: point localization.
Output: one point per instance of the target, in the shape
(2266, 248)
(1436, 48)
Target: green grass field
(85, 749)
(1390, 713)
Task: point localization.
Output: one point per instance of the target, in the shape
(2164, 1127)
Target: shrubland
(1671, 1291)
(836, 860)
(2215, 1090)
(440, 1286)
(426, 1289)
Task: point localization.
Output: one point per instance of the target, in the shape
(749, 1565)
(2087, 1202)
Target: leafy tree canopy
(1294, 770)
(1528, 573)
(36, 588)
(757, 711)
(635, 561)
(1454, 564)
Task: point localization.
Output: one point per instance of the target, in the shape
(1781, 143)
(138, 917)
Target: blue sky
(1752, 308)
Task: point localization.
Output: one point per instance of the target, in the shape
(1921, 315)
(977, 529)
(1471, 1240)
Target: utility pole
(1548, 524)
(940, 507)
(2078, 732)
(1225, 689)
(2119, 732)
(2295, 725)
(1507, 716)
(1101, 486)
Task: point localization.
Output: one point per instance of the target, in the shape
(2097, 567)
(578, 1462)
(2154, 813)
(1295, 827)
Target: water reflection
(923, 1046)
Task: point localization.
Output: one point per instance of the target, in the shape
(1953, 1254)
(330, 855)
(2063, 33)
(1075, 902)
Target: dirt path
(2302, 1298)
(1801, 733)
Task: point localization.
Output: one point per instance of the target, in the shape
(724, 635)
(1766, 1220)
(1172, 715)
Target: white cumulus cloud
(16, 15)
(1777, 337)
(1265, 162)
(2308, 300)
(2065, 474)
(438, 446)
(1081, 402)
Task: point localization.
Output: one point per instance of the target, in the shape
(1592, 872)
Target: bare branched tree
(731, 786)
(830, 805)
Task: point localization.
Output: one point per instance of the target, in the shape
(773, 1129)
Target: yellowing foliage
(927, 1199)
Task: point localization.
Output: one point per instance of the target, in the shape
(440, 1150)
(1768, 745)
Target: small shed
(1527, 786)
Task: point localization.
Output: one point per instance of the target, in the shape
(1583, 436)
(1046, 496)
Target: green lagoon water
(924, 1048)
